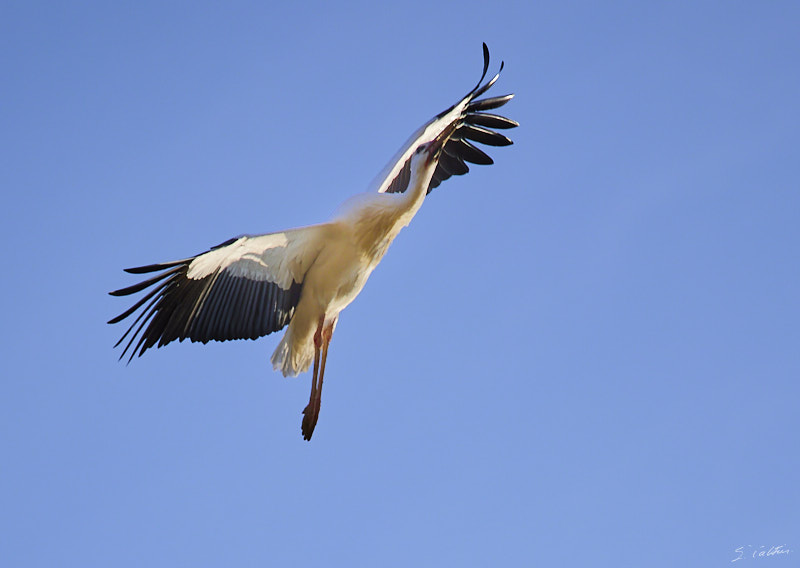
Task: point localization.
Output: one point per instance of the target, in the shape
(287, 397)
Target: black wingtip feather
(145, 283)
(490, 103)
(484, 135)
(485, 69)
(490, 120)
(156, 267)
(467, 152)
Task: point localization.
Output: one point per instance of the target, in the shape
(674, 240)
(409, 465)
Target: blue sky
(585, 354)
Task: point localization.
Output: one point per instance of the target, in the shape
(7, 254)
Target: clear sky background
(583, 355)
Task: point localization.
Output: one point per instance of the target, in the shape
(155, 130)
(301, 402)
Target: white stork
(303, 278)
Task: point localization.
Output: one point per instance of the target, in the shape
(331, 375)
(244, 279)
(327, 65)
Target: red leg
(311, 411)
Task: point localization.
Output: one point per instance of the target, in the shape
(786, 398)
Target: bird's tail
(290, 358)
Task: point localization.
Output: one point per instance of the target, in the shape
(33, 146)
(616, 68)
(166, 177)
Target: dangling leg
(311, 412)
(309, 416)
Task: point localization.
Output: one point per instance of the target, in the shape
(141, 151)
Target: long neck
(413, 197)
(379, 222)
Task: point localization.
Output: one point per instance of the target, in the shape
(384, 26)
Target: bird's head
(433, 149)
(426, 154)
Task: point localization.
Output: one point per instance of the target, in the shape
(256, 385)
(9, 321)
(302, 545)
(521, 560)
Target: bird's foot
(310, 416)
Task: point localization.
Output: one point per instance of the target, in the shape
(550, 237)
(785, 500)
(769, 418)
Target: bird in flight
(301, 279)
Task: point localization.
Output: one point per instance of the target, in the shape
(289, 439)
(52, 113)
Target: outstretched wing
(468, 122)
(244, 288)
